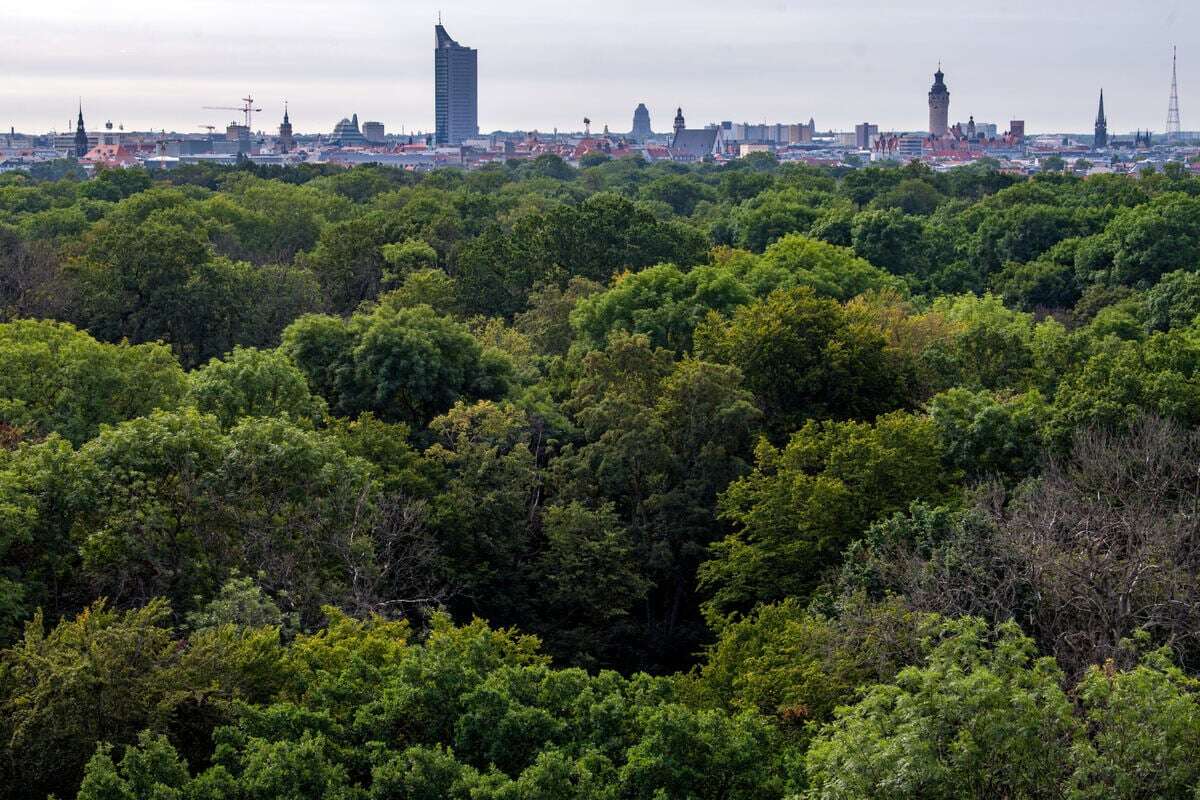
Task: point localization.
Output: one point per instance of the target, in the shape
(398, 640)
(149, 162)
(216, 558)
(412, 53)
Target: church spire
(286, 142)
(81, 137)
(1101, 125)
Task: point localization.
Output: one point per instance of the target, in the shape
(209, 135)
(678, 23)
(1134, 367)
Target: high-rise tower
(456, 89)
(81, 137)
(1173, 125)
(641, 124)
(939, 105)
(1101, 124)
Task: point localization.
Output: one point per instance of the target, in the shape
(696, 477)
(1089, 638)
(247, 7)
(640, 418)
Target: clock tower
(939, 105)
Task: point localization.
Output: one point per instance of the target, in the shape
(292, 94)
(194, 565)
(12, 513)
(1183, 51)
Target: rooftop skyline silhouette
(776, 61)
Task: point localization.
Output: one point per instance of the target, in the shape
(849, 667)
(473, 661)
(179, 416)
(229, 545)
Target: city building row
(456, 139)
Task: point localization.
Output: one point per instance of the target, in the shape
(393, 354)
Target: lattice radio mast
(1173, 126)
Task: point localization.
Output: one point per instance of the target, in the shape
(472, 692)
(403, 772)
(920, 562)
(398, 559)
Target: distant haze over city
(549, 64)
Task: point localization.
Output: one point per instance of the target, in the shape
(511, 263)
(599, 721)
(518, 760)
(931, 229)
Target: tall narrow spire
(1173, 124)
(285, 143)
(81, 137)
(1101, 124)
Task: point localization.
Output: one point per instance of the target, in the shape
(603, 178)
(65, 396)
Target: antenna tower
(1173, 125)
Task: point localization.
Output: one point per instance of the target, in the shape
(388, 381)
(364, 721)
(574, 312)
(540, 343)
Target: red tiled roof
(116, 154)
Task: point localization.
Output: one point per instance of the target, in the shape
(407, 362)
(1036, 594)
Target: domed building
(347, 134)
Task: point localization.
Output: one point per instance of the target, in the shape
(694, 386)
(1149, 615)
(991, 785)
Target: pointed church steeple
(286, 142)
(81, 137)
(1101, 125)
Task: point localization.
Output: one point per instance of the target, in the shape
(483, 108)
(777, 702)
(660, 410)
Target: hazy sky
(545, 64)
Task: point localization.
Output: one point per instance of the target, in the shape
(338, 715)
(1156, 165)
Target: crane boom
(247, 108)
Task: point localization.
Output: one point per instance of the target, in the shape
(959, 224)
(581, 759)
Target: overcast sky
(544, 64)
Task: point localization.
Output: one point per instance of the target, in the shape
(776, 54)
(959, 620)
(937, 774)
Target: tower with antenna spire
(1101, 125)
(456, 89)
(1173, 125)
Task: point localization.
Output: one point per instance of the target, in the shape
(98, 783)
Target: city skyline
(541, 71)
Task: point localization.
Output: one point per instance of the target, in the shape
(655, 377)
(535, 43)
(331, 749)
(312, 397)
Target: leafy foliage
(296, 461)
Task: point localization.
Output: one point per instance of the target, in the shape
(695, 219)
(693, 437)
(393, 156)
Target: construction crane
(247, 108)
(209, 128)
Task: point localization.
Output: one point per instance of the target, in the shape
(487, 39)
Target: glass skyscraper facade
(456, 90)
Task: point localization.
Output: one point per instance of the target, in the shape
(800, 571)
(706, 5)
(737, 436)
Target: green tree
(349, 259)
(171, 505)
(1028, 231)
(152, 769)
(981, 717)
(831, 271)
(803, 357)
(992, 347)
(660, 441)
(797, 665)
(680, 192)
(803, 503)
(242, 602)
(892, 240)
(135, 280)
(1122, 380)
(426, 287)
(985, 437)
(412, 255)
(1173, 302)
(701, 754)
(772, 215)
(39, 565)
(547, 321)
(591, 582)
(105, 676)
(1037, 284)
(158, 279)
(254, 383)
(911, 196)
(60, 380)
(490, 492)
(403, 364)
(662, 302)
(1142, 724)
(1142, 244)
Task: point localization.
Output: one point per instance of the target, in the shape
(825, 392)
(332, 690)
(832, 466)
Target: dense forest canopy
(623, 482)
